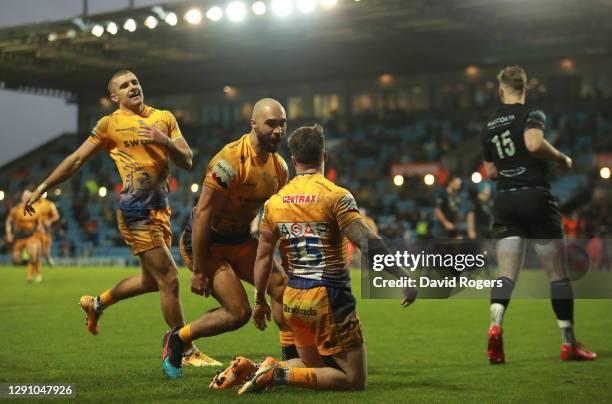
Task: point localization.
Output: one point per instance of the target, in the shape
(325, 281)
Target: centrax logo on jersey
(313, 198)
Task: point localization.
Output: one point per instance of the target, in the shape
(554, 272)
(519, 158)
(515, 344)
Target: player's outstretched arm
(359, 234)
(540, 148)
(261, 275)
(62, 172)
(209, 205)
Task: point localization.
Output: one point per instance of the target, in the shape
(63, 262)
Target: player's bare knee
(240, 316)
(168, 282)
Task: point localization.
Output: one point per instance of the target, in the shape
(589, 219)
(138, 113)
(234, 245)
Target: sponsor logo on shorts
(298, 310)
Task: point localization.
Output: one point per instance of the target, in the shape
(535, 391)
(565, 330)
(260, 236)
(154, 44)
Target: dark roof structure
(357, 38)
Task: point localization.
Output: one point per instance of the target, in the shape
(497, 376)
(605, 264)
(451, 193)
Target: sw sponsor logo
(136, 142)
(301, 198)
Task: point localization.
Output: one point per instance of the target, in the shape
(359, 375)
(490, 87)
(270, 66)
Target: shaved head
(266, 106)
(268, 123)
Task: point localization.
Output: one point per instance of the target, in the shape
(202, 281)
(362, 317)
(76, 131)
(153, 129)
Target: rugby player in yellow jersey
(141, 140)
(49, 215)
(21, 231)
(312, 217)
(217, 245)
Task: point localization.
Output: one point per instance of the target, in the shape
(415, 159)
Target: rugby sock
(500, 298)
(185, 333)
(30, 271)
(103, 301)
(289, 352)
(303, 377)
(562, 299)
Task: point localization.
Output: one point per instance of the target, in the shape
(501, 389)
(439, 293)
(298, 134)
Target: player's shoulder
(281, 161)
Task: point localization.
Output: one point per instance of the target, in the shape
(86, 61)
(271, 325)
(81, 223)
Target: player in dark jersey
(517, 155)
(448, 209)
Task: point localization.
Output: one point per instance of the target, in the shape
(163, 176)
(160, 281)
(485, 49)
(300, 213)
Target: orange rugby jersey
(45, 207)
(144, 167)
(308, 215)
(248, 181)
(24, 225)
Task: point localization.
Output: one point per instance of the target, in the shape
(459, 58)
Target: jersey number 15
(504, 145)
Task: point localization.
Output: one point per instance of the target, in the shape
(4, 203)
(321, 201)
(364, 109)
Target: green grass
(433, 351)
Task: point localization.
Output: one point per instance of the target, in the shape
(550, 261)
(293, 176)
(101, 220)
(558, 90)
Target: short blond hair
(514, 78)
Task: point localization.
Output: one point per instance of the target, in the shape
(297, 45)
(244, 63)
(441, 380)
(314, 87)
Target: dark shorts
(528, 213)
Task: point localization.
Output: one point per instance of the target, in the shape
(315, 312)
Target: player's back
(308, 215)
(504, 144)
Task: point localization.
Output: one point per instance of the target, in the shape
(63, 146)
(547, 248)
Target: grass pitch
(434, 351)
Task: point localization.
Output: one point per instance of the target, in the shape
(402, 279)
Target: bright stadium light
(259, 8)
(235, 11)
(476, 177)
(605, 173)
(195, 187)
(71, 33)
(97, 30)
(129, 25)
(102, 192)
(282, 8)
(52, 37)
(398, 180)
(472, 71)
(112, 28)
(214, 13)
(193, 16)
(306, 6)
(429, 179)
(171, 19)
(1, 195)
(151, 22)
(328, 3)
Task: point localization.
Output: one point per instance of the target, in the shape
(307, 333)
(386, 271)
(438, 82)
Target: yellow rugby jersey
(24, 225)
(144, 167)
(248, 181)
(46, 207)
(308, 215)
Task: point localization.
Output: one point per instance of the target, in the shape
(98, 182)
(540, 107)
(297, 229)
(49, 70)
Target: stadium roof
(357, 38)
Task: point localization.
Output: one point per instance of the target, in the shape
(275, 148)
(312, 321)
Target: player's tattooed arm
(209, 206)
(63, 171)
(540, 148)
(359, 234)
